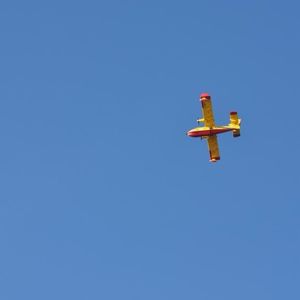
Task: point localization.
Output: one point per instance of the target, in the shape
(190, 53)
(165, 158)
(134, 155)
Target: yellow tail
(235, 124)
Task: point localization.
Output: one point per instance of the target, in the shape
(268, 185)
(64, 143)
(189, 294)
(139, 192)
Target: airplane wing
(208, 116)
(213, 148)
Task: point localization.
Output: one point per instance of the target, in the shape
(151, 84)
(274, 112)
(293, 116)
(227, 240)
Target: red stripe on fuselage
(199, 133)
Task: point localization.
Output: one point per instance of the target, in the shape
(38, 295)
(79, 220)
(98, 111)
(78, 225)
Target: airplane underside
(210, 131)
(201, 132)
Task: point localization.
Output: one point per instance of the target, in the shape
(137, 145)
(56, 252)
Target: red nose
(192, 133)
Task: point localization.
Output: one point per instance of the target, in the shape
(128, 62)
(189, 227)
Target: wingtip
(204, 96)
(215, 159)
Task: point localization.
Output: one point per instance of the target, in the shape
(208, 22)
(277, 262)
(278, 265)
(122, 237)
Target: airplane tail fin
(235, 123)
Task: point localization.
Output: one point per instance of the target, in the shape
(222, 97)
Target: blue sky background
(103, 196)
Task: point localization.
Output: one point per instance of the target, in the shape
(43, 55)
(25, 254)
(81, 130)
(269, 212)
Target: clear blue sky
(103, 196)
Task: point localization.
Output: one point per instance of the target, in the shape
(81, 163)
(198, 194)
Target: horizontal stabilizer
(234, 119)
(235, 123)
(236, 133)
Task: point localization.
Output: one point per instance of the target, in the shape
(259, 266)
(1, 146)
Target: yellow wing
(213, 148)
(208, 116)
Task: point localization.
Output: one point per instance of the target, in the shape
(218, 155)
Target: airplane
(209, 131)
